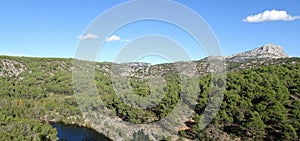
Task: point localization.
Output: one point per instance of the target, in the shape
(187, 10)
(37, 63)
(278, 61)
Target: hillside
(261, 100)
(267, 51)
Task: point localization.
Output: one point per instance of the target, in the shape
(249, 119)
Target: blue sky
(50, 28)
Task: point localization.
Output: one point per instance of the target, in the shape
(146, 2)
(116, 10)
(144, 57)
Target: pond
(77, 133)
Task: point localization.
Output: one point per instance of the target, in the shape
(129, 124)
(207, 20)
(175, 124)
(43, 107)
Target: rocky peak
(138, 64)
(277, 51)
(269, 51)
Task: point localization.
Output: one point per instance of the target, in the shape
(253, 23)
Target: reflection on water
(77, 133)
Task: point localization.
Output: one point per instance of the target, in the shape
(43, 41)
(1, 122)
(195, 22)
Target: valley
(261, 101)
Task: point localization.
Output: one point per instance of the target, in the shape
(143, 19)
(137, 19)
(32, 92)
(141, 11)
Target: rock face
(11, 67)
(268, 51)
(138, 64)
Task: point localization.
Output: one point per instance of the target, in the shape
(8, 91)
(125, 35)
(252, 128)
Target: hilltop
(269, 51)
(265, 55)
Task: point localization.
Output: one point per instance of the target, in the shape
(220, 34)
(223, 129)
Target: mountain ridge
(268, 51)
(266, 55)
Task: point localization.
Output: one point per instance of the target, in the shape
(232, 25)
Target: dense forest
(261, 102)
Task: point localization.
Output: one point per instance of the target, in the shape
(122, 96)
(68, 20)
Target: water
(77, 133)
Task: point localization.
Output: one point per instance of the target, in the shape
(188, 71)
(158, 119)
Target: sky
(54, 28)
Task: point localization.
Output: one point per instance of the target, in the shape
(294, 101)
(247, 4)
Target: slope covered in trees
(259, 104)
(261, 100)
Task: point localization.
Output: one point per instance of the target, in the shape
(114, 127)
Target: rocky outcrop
(11, 67)
(265, 55)
(269, 51)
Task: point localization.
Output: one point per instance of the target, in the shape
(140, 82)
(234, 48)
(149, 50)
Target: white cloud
(125, 40)
(273, 15)
(113, 38)
(88, 36)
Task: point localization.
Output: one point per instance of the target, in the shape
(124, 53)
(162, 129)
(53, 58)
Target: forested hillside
(261, 100)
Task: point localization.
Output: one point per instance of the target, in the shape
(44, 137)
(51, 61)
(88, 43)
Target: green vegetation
(35, 97)
(260, 103)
